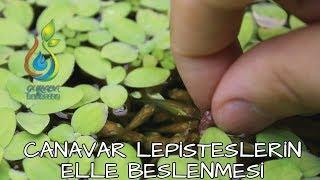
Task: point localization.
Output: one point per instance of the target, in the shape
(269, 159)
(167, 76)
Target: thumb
(278, 79)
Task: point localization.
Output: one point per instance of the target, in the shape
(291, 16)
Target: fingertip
(241, 117)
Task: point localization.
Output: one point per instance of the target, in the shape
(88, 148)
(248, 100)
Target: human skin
(246, 92)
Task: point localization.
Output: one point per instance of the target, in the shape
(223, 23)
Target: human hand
(246, 92)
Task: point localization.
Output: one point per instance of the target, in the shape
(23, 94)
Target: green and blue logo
(40, 68)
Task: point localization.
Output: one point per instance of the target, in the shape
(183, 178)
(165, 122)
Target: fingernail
(241, 117)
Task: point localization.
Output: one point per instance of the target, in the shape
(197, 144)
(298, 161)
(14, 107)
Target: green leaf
(162, 40)
(114, 96)
(1, 153)
(100, 37)
(61, 12)
(122, 163)
(5, 53)
(149, 61)
(126, 30)
(48, 31)
(17, 175)
(160, 5)
(16, 63)
(4, 170)
(91, 62)
(62, 133)
(17, 87)
(83, 24)
(91, 94)
(19, 11)
(18, 35)
(247, 30)
(7, 101)
(269, 15)
(215, 135)
(53, 42)
(68, 98)
(66, 68)
(309, 164)
(4, 76)
(14, 151)
(116, 10)
(267, 33)
(181, 164)
(281, 169)
(38, 168)
(33, 123)
(116, 75)
(119, 53)
(140, 77)
(279, 136)
(296, 23)
(89, 119)
(8, 126)
(152, 22)
(87, 7)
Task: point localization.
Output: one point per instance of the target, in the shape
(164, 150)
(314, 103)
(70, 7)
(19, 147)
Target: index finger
(204, 43)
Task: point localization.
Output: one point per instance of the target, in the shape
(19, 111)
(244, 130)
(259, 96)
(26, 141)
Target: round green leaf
(126, 31)
(4, 76)
(309, 164)
(100, 37)
(17, 175)
(8, 126)
(247, 29)
(7, 101)
(91, 62)
(83, 24)
(33, 123)
(19, 11)
(14, 151)
(38, 168)
(146, 77)
(114, 96)
(87, 7)
(89, 119)
(215, 135)
(68, 98)
(279, 136)
(116, 75)
(181, 164)
(149, 61)
(281, 169)
(62, 133)
(162, 40)
(120, 53)
(4, 170)
(91, 94)
(16, 63)
(12, 33)
(269, 15)
(17, 87)
(267, 33)
(5, 53)
(122, 163)
(151, 21)
(60, 12)
(66, 67)
(120, 9)
(160, 5)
